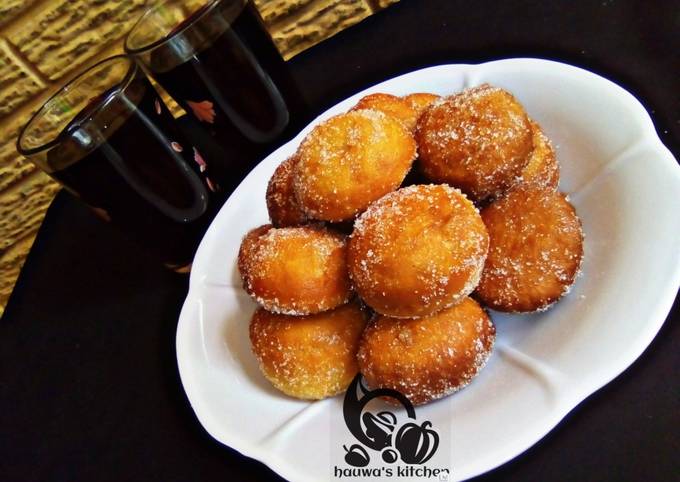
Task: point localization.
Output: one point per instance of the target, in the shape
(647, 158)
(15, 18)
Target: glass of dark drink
(109, 140)
(218, 62)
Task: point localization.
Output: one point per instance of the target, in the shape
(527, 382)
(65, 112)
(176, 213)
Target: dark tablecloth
(89, 388)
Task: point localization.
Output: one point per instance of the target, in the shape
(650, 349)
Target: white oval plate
(625, 185)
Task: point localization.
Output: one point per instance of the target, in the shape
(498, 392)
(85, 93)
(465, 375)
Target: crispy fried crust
(349, 161)
(282, 205)
(297, 270)
(312, 356)
(535, 251)
(542, 169)
(420, 101)
(249, 246)
(390, 105)
(417, 251)
(478, 140)
(427, 358)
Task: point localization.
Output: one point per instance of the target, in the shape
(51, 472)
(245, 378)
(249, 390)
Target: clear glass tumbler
(219, 63)
(108, 138)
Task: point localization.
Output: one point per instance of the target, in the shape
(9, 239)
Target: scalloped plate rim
(653, 322)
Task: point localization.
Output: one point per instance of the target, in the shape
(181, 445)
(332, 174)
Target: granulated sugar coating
(427, 358)
(282, 205)
(296, 270)
(478, 140)
(349, 161)
(535, 251)
(420, 101)
(417, 250)
(392, 106)
(542, 170)
(308, 357)
(414, 255)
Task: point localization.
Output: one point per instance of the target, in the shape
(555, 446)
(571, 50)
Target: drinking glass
(220, 64)
(109, 140)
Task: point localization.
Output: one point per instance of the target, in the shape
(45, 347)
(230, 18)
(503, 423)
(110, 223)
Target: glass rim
(120, 86)
(206, 9)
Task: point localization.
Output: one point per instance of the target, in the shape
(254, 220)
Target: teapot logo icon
(411, 442)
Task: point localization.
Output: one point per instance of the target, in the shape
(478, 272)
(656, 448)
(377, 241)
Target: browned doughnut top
(535, 250)
(390, 105)
(312, 356)
(249, 246)
(297, 270)
(542, 169)
(420, 101)
(284, 209)
(417, 250)
(349, 161)
(427, 358)
(478, 140)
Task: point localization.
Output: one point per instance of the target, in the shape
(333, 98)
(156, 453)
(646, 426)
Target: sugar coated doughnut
(349, 161)
(420, 101)
(535, 251)
(284, 209)
(417, 250)
(478, 140)
(390, 105)
(296, 270)
(542, 169)
(427, 358)
(310, 357)
(248, 247)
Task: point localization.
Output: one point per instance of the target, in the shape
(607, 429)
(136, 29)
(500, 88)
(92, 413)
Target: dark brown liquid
(236, 85)
(139, 171)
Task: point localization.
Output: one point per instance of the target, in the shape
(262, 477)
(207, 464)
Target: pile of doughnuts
(393, 226)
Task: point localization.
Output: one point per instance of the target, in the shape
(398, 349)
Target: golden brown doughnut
(420, 101)
(478, 140)
(542, 169)
(349, 161)
(390, 105)
(284, 209)
(535, 250)
(296, 270)
(249, 245)
(312, 356)
(427, 358)
(417, 250)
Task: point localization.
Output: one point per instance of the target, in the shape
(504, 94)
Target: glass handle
(246, 127)
(198, 206)
(201, 196)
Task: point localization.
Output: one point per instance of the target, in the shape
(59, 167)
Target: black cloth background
(89, 388)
